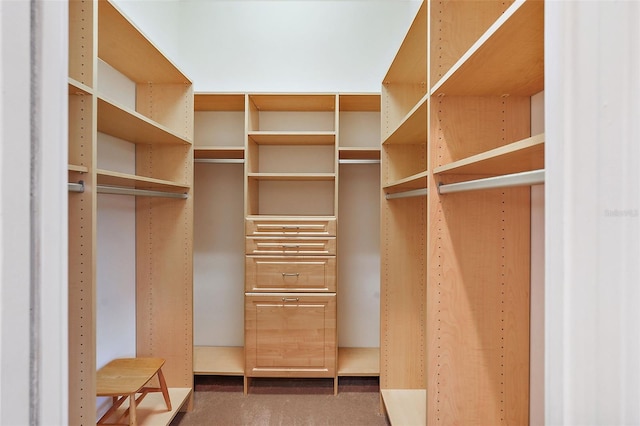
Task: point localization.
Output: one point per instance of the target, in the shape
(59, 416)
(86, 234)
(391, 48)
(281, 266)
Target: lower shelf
(405, 406)
(152, 411)
(358, 362)
(218, 360)
(229, 361)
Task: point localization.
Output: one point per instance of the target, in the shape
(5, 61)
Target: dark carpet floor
(219, 400)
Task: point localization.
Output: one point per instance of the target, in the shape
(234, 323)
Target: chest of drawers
(290, 297)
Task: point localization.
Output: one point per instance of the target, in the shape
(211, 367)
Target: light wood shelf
(359, 102)
(122, 45)
(405, 407)
(77, 168)
(292, 176)
(124, 123)
(359, 153)
(412, 129)
(218, 360)
(410, 62)
(294, 102)
(152, 410)
(417, 181)
(292, 138)
(360, 362)
(107, 177)
(77, 88)
(218, 152)
(219, 102)
(520, 156)
(507, 59)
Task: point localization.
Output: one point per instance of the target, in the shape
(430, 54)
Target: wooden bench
(125, 378)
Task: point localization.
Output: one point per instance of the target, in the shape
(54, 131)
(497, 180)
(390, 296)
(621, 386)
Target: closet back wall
(277, 46)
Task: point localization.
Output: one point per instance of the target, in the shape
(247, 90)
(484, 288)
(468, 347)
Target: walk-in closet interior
(314, 234)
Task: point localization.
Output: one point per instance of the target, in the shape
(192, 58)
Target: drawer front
(291, 227)
(290, 335)
(291, 245)
(290, 273)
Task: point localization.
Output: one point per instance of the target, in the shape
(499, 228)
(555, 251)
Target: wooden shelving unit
(404, 228)
(160, 128)
(220, 119)
(455, 268)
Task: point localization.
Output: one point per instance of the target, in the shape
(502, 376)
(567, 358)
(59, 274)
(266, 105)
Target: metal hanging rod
(117, 190)
(76, 186)
(358, 161)
(516, 179)
(405, 194)
(219, 160)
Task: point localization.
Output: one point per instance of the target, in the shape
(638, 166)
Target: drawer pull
(290, 274)
(290, 299)
(290, 246)
(290, 227)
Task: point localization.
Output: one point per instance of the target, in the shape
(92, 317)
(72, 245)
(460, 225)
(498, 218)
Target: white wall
(280, 45)
(592, 292)
(33, 213)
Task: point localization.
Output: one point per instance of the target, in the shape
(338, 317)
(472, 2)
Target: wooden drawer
(290, 335)
(291, 245)
(290, 273)
(293, 226)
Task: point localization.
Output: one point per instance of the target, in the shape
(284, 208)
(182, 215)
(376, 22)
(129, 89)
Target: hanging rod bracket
(76, 186)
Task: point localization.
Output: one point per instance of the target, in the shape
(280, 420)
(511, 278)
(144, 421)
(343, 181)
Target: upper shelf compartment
(125, 48)
(219, 102)
(508, 59)
(404, 87)
(292, 113)
(292, 102)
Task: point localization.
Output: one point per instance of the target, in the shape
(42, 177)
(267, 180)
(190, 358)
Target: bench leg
(163, 388)
(133, 420)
